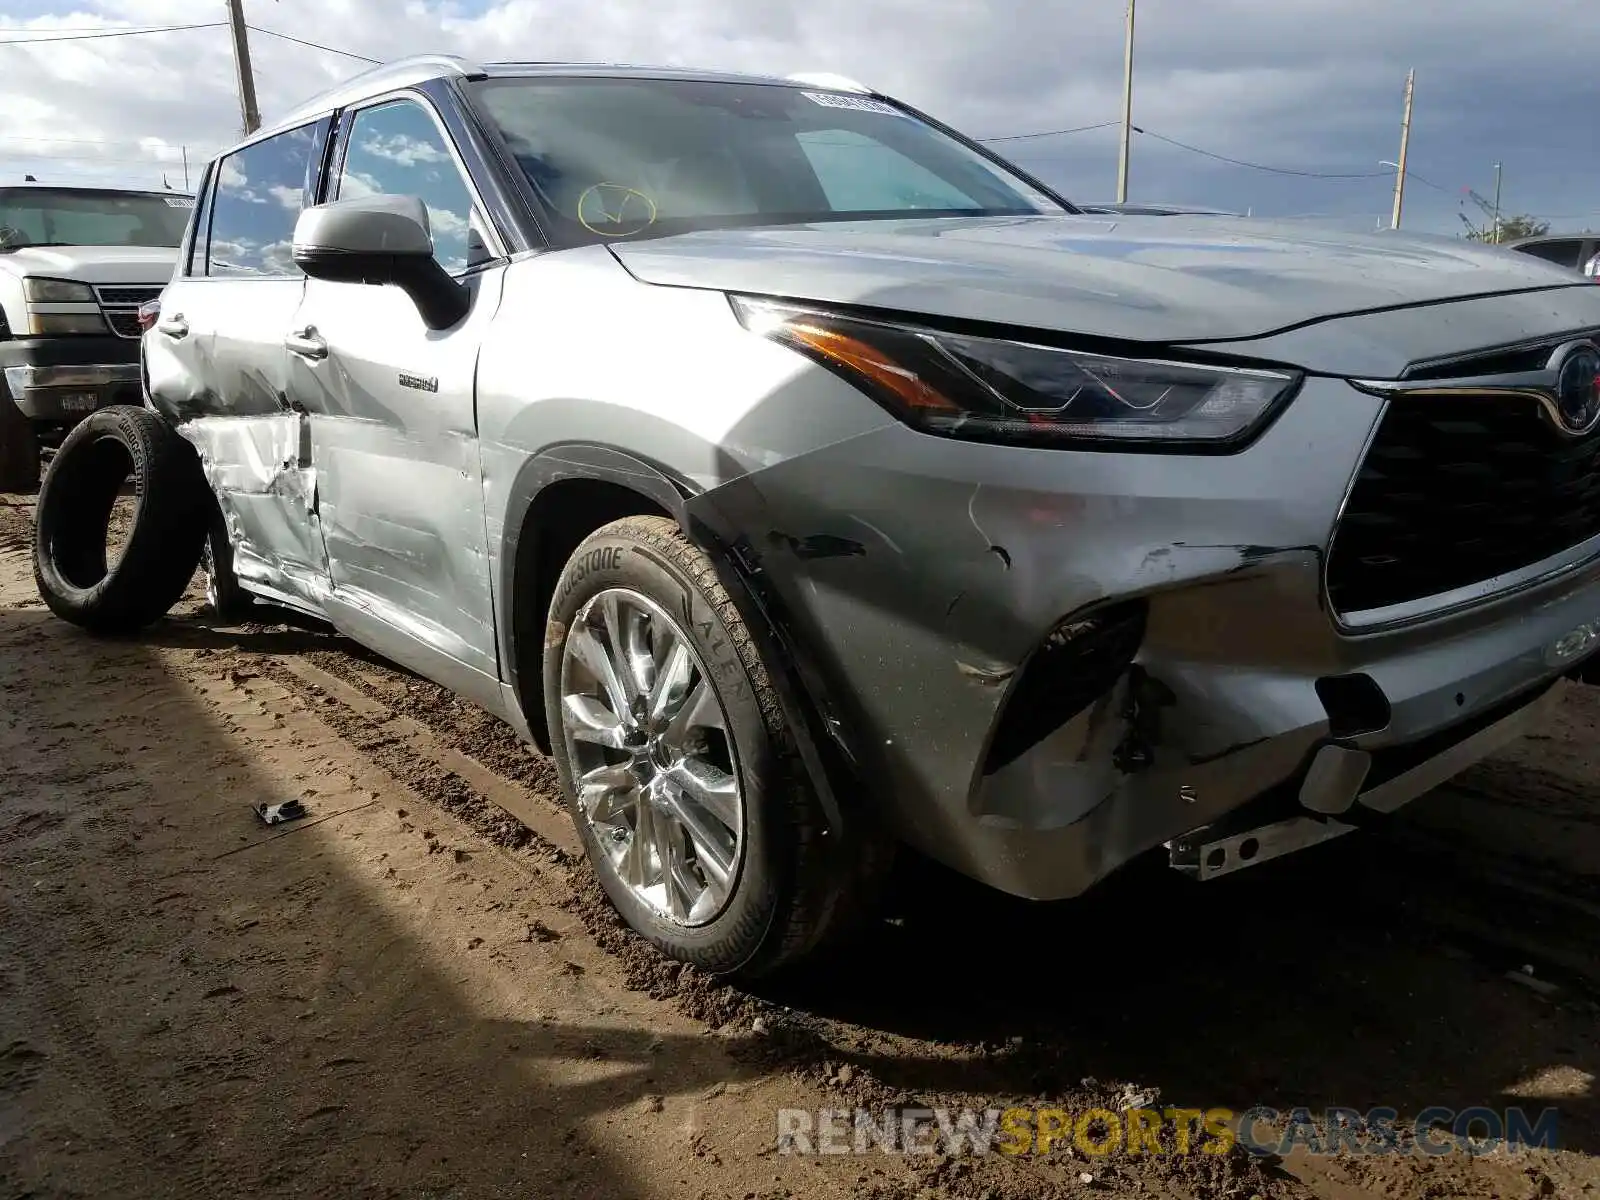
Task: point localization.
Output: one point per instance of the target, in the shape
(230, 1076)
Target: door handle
(307, 343)
(174, 326)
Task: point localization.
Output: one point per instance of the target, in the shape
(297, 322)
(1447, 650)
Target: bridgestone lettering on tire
(756, 886)
(161, 554)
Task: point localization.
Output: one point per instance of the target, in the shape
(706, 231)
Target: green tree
(1511, 228)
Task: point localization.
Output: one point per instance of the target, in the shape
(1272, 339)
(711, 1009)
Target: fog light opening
(1080, 660)
(1355, 705)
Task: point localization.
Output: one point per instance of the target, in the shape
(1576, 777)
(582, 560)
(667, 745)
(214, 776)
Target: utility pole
(241, 60)
(1497, 204)
(1127, 110)
(185, 150)
(1405, 147)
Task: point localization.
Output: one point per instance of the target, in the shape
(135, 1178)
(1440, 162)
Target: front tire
(680, 771)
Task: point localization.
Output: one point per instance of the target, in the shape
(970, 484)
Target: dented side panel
(224, 383)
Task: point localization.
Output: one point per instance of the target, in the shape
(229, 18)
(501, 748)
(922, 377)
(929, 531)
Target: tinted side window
(395, 149)
(255, 203)
(1563, 254)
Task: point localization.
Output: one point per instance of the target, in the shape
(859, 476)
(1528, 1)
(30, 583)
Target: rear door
(216, 359)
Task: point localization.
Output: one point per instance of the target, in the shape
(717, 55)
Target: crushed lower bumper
(1335, 798)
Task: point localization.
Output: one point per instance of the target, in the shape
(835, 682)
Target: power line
(1017, 137)
(108, 33)
(313, 45)
(1410, 174)
(1239, 162)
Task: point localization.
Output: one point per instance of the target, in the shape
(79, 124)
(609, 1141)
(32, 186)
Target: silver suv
(808, 481)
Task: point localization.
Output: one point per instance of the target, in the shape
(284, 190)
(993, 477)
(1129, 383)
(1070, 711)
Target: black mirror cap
(441, 300)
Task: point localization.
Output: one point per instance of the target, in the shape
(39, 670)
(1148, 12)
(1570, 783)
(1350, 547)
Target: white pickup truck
(75, 265)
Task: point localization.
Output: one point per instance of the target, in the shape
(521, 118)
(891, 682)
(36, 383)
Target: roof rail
(824, 79)
(414, 68)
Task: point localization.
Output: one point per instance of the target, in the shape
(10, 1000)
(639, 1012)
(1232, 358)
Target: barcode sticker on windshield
(179, 201)
(858, 103)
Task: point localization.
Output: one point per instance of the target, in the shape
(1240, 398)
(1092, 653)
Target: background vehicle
(75, 265)
(805, 480)
(1576, 251)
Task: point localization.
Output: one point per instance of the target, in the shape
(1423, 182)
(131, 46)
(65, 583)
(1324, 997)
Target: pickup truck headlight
(991, 389)
(56, 291)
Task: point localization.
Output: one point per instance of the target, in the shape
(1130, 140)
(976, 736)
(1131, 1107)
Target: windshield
(612, 158)
(81, 217)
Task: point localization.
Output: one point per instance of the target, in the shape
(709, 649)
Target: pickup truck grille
(1456, 490)
(126, 297)
(124, 322)
(120, 305)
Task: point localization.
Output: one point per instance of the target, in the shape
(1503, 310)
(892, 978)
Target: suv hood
(93, 264)
(1144, 279)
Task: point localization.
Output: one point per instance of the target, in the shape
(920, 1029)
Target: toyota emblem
(1576, 367)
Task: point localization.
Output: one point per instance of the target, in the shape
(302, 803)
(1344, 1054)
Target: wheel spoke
(636, 864)
(607, 793)
(710, 788)
(590, 721)
(698, 711)
(622, 630)
(709, 852)
(672, 684)
(589, 651)
(666, 838)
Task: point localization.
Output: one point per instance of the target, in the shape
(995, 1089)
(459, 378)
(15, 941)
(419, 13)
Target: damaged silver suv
(808, 481)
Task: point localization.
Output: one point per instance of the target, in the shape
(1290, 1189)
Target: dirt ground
(415, 992)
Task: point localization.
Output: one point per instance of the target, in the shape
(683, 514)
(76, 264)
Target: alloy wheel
(652, 758)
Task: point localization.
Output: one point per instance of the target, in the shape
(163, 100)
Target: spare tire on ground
(171, 503)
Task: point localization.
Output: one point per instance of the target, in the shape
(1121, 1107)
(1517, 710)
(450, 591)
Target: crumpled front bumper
(919, 577)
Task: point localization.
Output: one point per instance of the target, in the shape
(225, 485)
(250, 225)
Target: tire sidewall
(165, 535)
(609, 560)
(105, 425)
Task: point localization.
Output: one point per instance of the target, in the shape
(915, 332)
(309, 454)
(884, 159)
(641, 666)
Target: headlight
(56, 291)
(995, 390)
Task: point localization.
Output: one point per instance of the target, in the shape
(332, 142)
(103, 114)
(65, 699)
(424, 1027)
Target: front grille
(123, 322)
(1456, 490)
(130, 297)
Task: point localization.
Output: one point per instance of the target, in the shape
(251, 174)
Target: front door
(392, 417)
(216, 361)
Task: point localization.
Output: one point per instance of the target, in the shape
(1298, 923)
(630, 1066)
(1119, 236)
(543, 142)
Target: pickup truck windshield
(84, 217)
(625, 157)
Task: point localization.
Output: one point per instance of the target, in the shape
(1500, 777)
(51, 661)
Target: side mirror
(378, 240)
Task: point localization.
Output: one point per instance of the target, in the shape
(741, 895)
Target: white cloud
(1313, 85)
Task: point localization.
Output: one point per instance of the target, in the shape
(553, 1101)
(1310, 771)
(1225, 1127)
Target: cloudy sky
(1310, 88)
